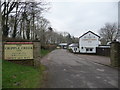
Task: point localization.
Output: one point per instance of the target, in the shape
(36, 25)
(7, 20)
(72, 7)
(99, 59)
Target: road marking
(98, 77)
(97, 64)
(102, 70)
(105, 80)
(64, 69)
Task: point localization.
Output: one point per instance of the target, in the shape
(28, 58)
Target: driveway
(66, 70)
(95, 58)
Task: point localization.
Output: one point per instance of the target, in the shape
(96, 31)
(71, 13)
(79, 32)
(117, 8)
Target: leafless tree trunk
(7, 8)
(24, 19)
(15, 24)
(28, 29)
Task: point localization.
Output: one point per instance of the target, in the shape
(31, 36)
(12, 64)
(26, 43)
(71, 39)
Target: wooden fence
(103, 51)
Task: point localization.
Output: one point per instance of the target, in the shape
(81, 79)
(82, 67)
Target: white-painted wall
(87, 42)
(75, 49)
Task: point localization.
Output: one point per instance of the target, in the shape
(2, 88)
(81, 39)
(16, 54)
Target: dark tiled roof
(88, 32)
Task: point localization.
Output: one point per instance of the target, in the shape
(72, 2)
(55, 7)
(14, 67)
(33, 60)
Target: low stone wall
(23, 62)
(115, 54)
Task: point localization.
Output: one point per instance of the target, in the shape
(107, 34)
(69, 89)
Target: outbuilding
(88, 42)
(74, 47)
(63, 45)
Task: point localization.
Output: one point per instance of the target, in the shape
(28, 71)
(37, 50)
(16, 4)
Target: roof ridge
(88, 32)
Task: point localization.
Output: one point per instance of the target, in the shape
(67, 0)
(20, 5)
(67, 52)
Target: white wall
(75, 49)
(87, 42)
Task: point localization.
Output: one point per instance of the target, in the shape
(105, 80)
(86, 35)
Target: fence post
(115, 54)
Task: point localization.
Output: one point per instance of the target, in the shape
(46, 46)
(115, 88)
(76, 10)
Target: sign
(18, 50)
(89, 38)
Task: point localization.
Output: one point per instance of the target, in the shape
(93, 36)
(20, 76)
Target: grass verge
(0, 74)
(19, 76)
(44, 52)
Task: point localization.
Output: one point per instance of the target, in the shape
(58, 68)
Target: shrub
(48, 47)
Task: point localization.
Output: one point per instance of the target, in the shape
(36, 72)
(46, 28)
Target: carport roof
(73, 45)
(61, 44)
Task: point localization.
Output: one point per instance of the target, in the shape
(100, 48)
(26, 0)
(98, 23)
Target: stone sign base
(23, 62)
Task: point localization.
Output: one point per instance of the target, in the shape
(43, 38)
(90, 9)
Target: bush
(48, 47)
(70, 50)
(44, 52)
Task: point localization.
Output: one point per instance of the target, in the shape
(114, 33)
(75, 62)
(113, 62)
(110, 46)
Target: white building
(88, 42)
(74, 47)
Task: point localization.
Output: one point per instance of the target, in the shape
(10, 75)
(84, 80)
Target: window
(81, 47)
(74, 49)
(91, 49)
(87, 49)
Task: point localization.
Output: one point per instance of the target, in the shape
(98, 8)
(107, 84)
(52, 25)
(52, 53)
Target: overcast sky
(78, 17)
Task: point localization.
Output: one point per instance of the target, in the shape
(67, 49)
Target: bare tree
(118, 35)
(7, 7)
(0, 20)
(44, 24)
(24, 17)
(15, 24)
(69, 39)
(109, 33)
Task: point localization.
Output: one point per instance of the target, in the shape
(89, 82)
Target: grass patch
(19, 76)
(44, 52)
(0, 74)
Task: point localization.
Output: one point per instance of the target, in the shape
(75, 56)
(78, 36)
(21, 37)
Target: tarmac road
(66, 70)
